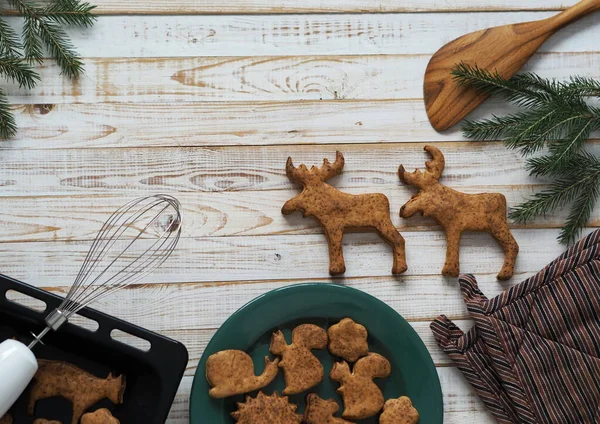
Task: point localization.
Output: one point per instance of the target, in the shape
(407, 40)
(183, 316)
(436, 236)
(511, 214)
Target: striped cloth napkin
(533, 355)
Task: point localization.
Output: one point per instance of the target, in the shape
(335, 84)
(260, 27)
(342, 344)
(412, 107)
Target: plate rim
(307, 287)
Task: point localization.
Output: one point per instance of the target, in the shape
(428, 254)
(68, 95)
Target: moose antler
(437, 163)
(329, 170)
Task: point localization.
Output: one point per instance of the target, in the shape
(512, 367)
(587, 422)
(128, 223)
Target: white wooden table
(208, 107)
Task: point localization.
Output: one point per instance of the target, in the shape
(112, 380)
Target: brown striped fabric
(533, 355)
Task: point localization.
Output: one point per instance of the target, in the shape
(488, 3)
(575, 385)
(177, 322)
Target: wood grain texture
(279, 35)
(272, 257)
(502, 50)
(182, 7)
(278, 78)
(120, 125)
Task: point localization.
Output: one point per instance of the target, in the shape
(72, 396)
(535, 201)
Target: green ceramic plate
(250, 329)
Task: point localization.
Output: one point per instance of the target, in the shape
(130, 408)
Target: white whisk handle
(17, 367)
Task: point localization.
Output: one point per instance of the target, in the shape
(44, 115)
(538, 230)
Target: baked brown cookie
(338, 212)
(320, 411)
(231, 372)
(399, 411)
(100, 416)
(45, 421)
(6, 419)
(301, 369)
(348, 340)
(264, 409)
(362, 398)
(55, 378)
(458, 212)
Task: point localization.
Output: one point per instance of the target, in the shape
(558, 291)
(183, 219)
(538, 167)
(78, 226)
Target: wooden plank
(273, 257)
(206, 124)
(294, 78)
(278, 35)
(184, 7)
(60, 218)
(460, 407)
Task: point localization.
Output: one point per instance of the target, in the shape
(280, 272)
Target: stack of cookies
(231, 372)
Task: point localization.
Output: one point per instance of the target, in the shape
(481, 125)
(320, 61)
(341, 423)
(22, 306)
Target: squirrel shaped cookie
(458, 212)
(100, 416)
(231, 372)
(55, 378)
(320, 411)
(264, 409)
(399, 411)
(348, 340)
(301, 369)
(362, 398)
(338, 212)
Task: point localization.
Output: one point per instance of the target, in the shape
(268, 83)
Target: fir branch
(39, 26)
(71, 12)
(557, 118)
(515, 90)
(8, 126)
(18, 71)
(10, 44)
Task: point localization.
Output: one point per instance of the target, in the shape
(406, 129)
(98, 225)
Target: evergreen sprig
(556, 121)
(42, 30)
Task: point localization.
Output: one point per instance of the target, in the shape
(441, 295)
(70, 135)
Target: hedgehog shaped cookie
(320, 411)
(348, 340)
(301, 369)
(362, 398)
(399, 411)
(264, 409)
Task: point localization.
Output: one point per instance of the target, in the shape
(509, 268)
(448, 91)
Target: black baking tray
(152, 376)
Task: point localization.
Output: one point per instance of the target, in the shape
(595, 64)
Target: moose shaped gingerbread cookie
(320, 411)
(301, 369)
(362, 398)
(338, 212)
(84, 390)
(458, 212)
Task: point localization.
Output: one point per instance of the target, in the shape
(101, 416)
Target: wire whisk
(134, 241)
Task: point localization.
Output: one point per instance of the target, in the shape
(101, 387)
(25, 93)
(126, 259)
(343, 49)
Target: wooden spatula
(504, 49)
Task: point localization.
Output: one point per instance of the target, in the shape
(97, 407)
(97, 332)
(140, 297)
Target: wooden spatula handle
(575, 12)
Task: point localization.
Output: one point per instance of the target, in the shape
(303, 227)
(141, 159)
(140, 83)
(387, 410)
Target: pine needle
(8, 126)
(19, 71)
(557, 119)
(10, 44)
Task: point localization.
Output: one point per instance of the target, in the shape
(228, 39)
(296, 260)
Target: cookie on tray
(301, 369)
(399, 411)
(265, 409)
(231, 372)
(100, 416)
(362, 398)
(348, 340)
(320, 411)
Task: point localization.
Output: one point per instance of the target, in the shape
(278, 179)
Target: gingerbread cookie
(45, 421)
(101, 416)
(264, 409)
(362, 398)
(55, 378)
(338, 212)
(231, 372)
(319, 411)
(6, 419)
(348, 340)
(301, 369)
(458, 212)
(399, 411)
